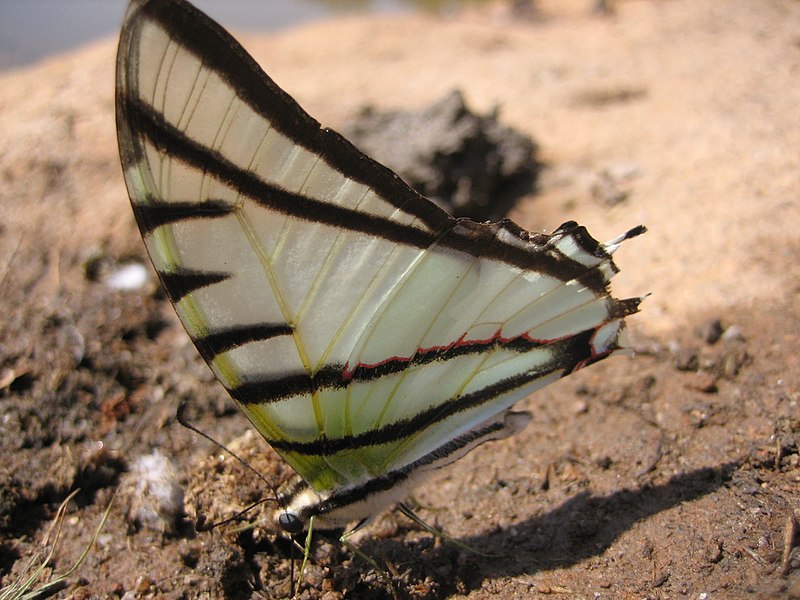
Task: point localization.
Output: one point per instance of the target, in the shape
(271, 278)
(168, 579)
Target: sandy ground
(673, 474)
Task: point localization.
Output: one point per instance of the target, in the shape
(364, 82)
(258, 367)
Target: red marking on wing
(497, 338)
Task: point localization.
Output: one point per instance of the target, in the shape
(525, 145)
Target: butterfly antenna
(200, 524)
(182, 420)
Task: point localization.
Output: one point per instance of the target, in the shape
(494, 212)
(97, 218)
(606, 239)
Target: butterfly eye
(290, 522)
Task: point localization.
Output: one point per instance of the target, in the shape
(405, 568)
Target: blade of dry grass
(23, 587)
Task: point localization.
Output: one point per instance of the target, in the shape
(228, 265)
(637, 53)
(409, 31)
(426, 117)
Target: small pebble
(128, 277)
(685, 359)
(711, 331)
(704, 382)
(580, 407)
(155, 493)
(733, 333)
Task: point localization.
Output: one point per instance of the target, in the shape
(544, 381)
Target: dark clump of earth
(471, 165)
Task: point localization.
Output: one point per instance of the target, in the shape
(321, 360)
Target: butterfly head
(297, 503)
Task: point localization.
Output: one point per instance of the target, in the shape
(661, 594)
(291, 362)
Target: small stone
(144, 584)
(711, 331)
(699, 416)
(604, 462)
(190, 555)
(580, 407)
(660, 580)
(733, 333)
(685, 358)
(733, 361)
(704, 382)
(128, 277)
(154, 492)
(714, 552)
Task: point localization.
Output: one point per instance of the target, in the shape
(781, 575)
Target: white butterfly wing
(358, 326)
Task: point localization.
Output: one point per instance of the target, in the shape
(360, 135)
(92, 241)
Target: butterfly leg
(406, 510)
(306, 551)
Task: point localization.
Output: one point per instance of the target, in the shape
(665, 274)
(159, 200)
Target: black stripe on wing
(567, 355)
(533, 252)
(218, 341)
(220, 52)
(151, 124)
(156, 213)
(575, 348)
(182, 281)
(339, 376)
(441, 456)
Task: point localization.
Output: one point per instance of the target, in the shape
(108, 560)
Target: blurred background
(31, 30)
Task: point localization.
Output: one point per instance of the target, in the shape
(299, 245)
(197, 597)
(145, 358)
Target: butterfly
(368, 336)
